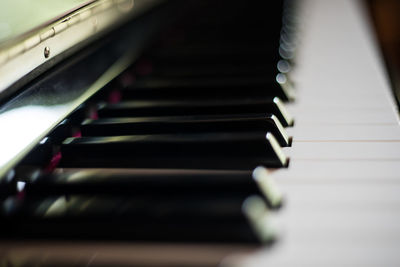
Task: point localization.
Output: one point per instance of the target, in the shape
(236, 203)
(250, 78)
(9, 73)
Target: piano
(199, 133)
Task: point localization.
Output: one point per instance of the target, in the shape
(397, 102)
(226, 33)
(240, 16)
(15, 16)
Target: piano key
(237, 34)
(345, 151)
(134, 182)
(214, 54)
(368, 171)
(358, 133)
(137, 108)
(227, 12)
(186, 39)
(206, 26)
(149, 218)
(363, 237)
(8, 185)
(210, 151)
(194, 51)
(351, 195)
(131, 182)
(186, 124)
(185, 70)
(65, 129)
(353, 101)
(343, 117)
(358, 223)
(41, 154)
(224, 87)
(209, 29)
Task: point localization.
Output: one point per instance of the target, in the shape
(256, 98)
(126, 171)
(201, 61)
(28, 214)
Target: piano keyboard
(342, 183)
(191, 156)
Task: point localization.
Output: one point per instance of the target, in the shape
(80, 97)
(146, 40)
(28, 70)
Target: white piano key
(334, 227)
(342, 226)
(336, 87)
(289, 253)
(342, 203)
(341, 196)
(343, 171)
(326, 100)
(345, 133)
(378, 151)
(340, 116)
(328, 107)
(308, 100)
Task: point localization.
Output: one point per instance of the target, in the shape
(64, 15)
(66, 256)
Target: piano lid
(14, 16)
(55, 30)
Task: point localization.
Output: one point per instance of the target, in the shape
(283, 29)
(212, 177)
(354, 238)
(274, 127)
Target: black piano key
(216, 87)
(41, 154)
(225, 10)
(186, 124)
(238, 25)
(218, 38)
(142, 218)
(204, 151)
(186, 70)
(139, 182)
(138, 108)
(190, 51)
(8, 185)
(212, 55)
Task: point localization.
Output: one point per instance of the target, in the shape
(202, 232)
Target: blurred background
(386, 19)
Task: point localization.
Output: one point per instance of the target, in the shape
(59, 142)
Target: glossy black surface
(46, 101)
(165, 69)
(221, 93)
(220, 87)
(184, 124)
(209, 54)
(129, 182)
(142, 218)
(211, 150)
(237, 107)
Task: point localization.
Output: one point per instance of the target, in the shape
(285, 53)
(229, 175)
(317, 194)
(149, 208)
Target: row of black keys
(196, 104)
(177, 206)
(224, 140)
(218, 123)
(174, 205)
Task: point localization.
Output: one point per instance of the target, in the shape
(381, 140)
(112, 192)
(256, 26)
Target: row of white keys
(342, 187)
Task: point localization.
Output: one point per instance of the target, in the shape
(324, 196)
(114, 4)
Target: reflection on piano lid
(167, 144)
(29, 47)
(42, 105)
